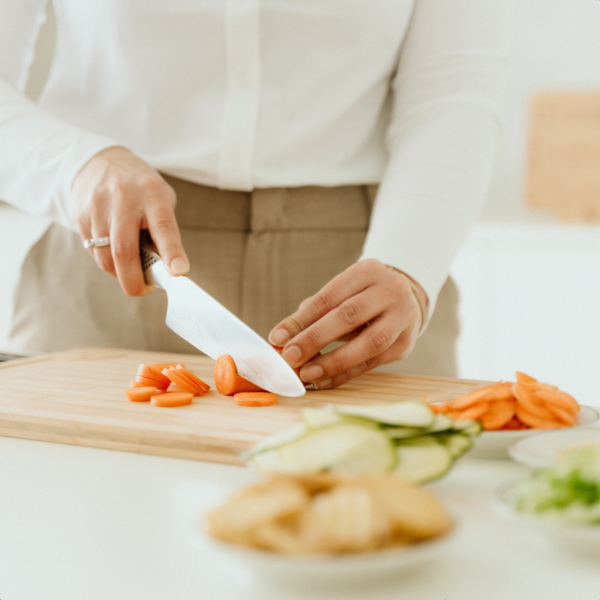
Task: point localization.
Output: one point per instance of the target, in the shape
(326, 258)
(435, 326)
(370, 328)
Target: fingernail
(311, 373)
(292, 355)
(279, 337)
(323, 384)
(179, 266)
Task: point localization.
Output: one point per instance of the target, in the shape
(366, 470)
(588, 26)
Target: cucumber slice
(279, 439)
(319, 417)
(408, 413)
(441, 423)
(457, 443)
(344, 448)
(404, 433)
(469, 427)
(422, 459)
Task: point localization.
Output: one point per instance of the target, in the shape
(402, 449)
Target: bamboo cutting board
(76, 397)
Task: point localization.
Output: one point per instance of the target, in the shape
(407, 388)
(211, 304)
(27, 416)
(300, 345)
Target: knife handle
(152, 264)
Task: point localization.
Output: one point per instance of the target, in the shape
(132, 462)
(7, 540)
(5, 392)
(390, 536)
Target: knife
(206, 324)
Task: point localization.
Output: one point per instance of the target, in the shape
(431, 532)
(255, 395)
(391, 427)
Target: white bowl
(572, 538)
(541, 451)
(495, 444)
(326, 569)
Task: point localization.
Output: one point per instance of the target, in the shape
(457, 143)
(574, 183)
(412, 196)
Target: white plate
(571, 538)
(326, 569)
(540, 451)
(495, 444)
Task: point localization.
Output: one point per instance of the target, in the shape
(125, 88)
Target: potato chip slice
(256, 506)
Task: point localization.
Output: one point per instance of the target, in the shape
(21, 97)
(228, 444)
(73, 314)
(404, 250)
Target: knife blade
(205, 323)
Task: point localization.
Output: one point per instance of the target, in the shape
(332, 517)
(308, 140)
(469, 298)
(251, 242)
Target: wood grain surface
(76, 397)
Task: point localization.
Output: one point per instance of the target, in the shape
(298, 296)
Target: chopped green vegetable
(568, 492)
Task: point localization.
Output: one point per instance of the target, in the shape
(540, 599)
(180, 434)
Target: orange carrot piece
(536, 422)
(436, 408)
(522, 378)
(498, 414)
(526, 398)
(562, 415)
(181, 382)
(496, 393)
(514, 424)
(472, 413)
(172, 399)
(161, 366)
(152, 373)
(556, 398)
(146, 382)
(228, 381)
(195, 380)
(255, 399)
(140, 394)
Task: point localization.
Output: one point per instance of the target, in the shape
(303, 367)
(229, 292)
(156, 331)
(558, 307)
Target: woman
(252, 138)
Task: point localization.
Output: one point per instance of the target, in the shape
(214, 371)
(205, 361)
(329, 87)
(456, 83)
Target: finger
(400, 349)
(125, 250)
(372, 342)
(352, 281)
(101, 228)
(85, 230)
(165, 234)
(347, 317)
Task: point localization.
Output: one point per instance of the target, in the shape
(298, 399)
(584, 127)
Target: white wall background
(530, 287)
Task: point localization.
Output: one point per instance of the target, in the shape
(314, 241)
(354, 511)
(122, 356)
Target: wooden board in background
(564, 155)
(76, 397)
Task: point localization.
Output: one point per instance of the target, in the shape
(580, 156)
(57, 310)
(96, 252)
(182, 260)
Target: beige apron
(259, 253)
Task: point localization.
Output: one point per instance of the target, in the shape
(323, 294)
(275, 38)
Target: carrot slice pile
(154, 379)
(151, 376)
(228, 381)
(527, 403)
(255, 399)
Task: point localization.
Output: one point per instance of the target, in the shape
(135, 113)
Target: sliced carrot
(556, 398)
(161, 366)
(498, 414)
(525, 395)
(185, 384)
(566, 417)
(436, 408)
(491, 393)
(146, 382)
(172, 399)
(514, 424)
(255, 399)
(228, 381)
(195, 380)
(472, 413)
(522, 378)
(140, 394)
(536, 422)
(152, 373)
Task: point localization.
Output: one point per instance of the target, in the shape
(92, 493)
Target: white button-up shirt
(244, 94)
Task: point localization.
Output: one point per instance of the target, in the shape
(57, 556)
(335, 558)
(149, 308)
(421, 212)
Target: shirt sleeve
(40, 155)
(447, 116)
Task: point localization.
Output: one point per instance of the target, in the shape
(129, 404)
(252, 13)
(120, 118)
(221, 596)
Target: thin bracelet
(417, 293)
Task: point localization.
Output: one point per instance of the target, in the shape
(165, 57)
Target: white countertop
(82, 523)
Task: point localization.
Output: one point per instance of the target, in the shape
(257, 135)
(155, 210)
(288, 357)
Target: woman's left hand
(370, 307)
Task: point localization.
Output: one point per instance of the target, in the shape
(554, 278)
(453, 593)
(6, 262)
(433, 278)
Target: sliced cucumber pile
(406, 439)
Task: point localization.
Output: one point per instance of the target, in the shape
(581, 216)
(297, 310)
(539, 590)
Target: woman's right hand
(117, 194)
